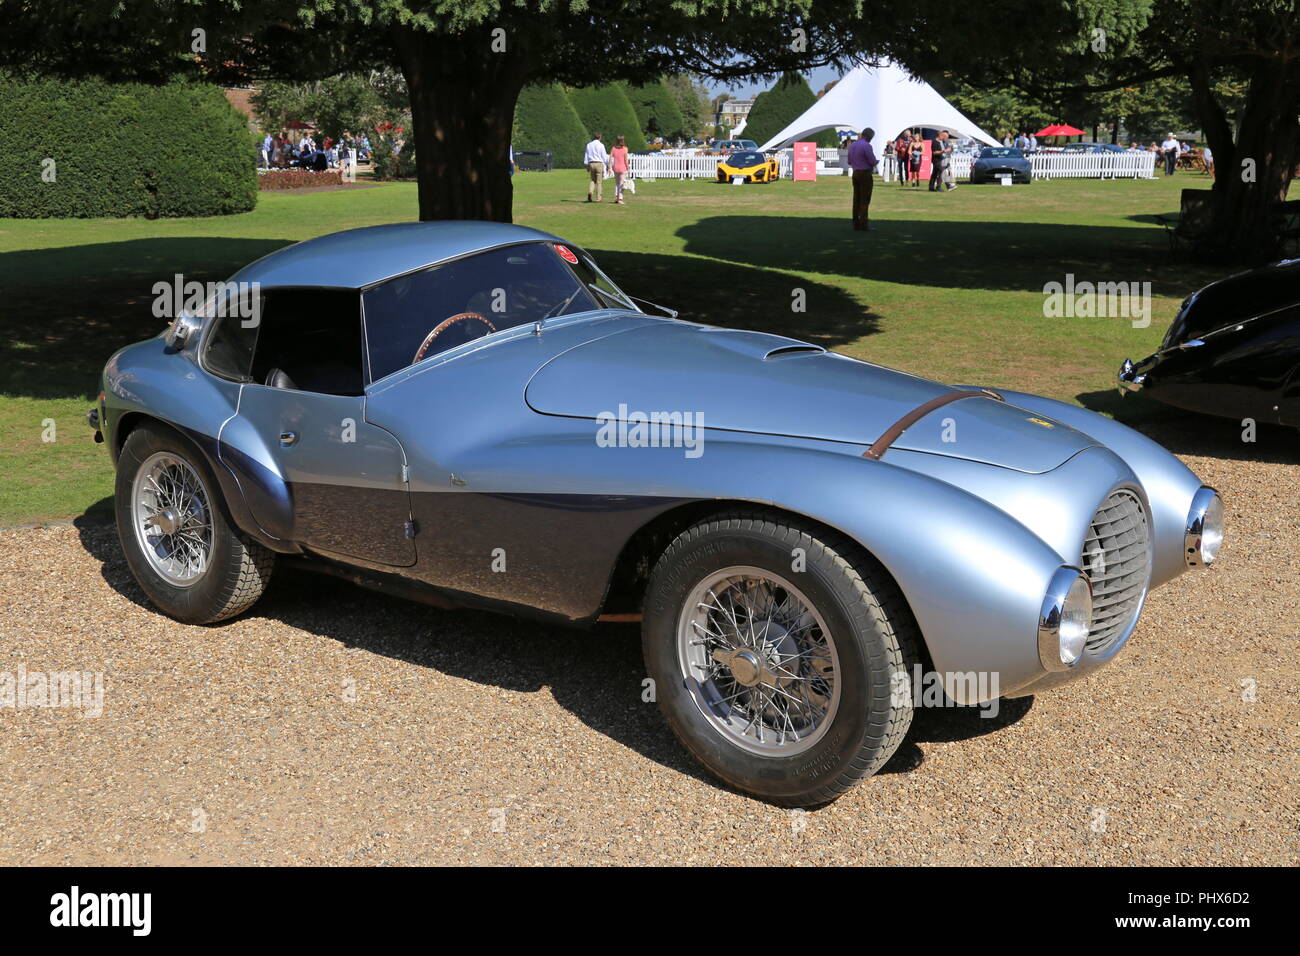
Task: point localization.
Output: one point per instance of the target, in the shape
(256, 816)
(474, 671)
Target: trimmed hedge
(777, 108)
(657, 110)
(545, 119)
(607, 110)
(122, 149)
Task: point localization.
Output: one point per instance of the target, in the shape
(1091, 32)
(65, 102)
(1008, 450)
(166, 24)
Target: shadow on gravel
(595, 675)
(1189, 433)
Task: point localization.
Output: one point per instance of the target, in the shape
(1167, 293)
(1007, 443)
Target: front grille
(1115, 557)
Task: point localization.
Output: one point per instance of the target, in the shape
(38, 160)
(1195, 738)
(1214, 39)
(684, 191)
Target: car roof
(360, 257)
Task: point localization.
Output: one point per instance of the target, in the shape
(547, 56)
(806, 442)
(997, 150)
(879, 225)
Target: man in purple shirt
(863, 162)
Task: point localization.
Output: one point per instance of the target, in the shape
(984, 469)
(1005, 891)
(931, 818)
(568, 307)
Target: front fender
(973, 576)
(1169, 484)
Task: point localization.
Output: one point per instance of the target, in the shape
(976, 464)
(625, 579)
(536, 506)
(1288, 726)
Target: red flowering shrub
(298, 178)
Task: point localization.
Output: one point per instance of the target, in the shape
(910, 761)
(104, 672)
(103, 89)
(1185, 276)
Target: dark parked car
(1092, 148)
(996, 161)
(1233, 350)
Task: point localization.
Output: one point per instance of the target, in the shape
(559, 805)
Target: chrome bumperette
(1130, 380)
(1117, 559)
(1052, 616)
(1204, 533)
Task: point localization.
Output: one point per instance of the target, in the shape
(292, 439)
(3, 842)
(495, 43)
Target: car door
(346, 477)
(313, 470)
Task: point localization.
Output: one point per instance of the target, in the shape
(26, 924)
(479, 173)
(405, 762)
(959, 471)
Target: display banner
(805, 161)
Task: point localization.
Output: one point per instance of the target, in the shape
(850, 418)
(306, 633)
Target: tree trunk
(463, 96)
(1253, 172)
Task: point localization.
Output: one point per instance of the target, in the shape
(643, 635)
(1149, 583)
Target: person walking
(863, 162)
(618, 156)
(596, 159)
(1169, 148)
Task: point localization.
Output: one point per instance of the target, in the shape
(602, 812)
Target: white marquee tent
(886, 98)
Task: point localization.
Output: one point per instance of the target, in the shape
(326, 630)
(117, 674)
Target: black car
(1233, 350)
(1091, 148)
(997, 161)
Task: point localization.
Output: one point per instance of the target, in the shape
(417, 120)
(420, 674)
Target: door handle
(288, 438)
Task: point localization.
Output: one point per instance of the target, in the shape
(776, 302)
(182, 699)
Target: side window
(230, 347)
(310, 339)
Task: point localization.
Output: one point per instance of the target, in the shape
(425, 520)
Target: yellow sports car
(750, 163)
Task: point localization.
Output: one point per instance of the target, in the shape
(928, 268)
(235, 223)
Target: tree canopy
(465, 61)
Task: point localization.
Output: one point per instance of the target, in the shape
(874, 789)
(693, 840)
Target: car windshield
(1001, 152)
(430, 311)
(745, 157)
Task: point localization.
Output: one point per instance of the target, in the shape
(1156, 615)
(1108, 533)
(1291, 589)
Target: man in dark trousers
(863, 162)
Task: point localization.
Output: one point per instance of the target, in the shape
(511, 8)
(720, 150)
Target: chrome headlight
(1064, 620)
(1204, 532)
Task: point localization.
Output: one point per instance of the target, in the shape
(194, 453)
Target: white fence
(693, 164)
(675, 165)
(1080, 165)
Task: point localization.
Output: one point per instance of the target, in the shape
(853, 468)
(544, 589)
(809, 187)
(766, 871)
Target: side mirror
(183, 329)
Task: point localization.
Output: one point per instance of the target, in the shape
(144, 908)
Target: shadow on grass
(960, 254)
(596, 675)
(68, 309)
(741, 296)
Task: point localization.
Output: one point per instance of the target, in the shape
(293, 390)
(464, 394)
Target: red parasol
(1059, 129)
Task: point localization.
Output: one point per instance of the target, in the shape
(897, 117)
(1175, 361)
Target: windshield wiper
(609, 296)
(537, 326)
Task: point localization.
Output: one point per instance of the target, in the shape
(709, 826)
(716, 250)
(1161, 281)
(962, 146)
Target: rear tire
(183, 550)
(757, 622)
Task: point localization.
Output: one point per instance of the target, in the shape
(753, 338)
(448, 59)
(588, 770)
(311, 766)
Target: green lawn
(948, 286)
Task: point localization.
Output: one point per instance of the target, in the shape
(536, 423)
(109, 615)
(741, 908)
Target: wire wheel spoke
(172, 517)
(759, 660)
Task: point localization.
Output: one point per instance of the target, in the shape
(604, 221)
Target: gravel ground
(333, 726)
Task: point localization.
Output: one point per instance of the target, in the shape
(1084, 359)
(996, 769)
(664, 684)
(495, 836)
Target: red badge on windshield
(566, 255)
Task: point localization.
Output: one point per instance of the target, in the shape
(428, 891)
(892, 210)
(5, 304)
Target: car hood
(767, 384)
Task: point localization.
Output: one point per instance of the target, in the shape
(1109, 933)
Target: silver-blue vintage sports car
(474, 414)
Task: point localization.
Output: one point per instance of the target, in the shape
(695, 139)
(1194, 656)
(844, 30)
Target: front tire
(183, 551)
(774, 646)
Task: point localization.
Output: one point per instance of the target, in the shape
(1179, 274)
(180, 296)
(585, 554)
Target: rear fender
(149, 381)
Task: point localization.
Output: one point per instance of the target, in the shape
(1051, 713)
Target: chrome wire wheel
(759, 661)
(172, 517)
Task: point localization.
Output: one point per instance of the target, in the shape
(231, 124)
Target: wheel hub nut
(166, 521)
(746, 668)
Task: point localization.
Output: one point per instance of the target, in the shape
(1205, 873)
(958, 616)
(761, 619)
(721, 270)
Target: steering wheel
(446, 324)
